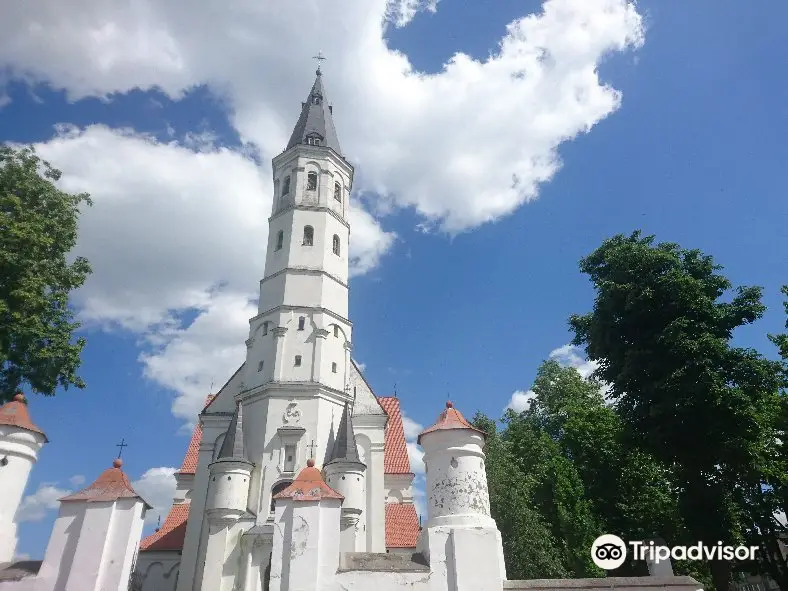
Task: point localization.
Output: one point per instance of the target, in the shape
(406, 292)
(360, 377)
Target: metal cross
(313, 447)
(121, 445)
(320, 59)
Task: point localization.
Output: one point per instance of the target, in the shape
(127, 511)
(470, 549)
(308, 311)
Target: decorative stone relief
(292, 414)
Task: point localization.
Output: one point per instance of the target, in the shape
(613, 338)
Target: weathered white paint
(92, 546)
(18, 451)
(306, 544)
(158, 571)
(349, 480)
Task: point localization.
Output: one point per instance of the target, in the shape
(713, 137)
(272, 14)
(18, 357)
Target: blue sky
(453, 297)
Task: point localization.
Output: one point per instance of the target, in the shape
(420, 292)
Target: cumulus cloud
(35, 506)
(415, 453)
(521, 400)
(572, 356)
(77, 480)
(463, 146)
(157, 487)
(401, 12)
(180, 229)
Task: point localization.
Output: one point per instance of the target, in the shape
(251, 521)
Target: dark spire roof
(233, 444)
(316, 119)
(345, 448)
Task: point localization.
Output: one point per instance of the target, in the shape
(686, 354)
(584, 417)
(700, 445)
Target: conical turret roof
(316, 120)
(16, 414)
(233, 444)
(345, 448)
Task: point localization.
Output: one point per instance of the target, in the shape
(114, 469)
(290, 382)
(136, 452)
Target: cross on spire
(320, 59)
(121, 445)
(312, 446)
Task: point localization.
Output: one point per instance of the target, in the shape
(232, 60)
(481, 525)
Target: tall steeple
(315, 126)
(233, 444)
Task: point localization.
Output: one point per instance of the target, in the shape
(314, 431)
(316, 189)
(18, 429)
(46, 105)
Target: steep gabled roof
(402, 525)
(395, 459)
(316, 119)
(172, 532)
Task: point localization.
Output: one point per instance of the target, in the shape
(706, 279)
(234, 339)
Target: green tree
(661, 336)
(38, 229)
(530, 548)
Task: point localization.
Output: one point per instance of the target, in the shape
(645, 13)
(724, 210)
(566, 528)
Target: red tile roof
(309, 486)
(402, 525)
(449, 419)
(395, 459)
(172, 532)
(113, 484)
(189, 465)
(15, 414)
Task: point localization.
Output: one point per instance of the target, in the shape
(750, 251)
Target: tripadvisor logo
(609, 552)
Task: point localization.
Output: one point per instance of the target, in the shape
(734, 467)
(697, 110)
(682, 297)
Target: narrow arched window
(298, 361)
(311, 181)
(338, 192)
(309, 235)
(336, 245)
(280, 239)
(286, 185)
(301, 323)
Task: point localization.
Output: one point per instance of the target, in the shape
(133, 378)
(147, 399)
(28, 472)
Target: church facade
(299, 395)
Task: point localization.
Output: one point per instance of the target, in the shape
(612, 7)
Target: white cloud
(77, 480)
(521, 400)
(416, 457)
(401, 12)
(411, 427)
(182, 228)
(157, 487)
(572, 356)
(463, 146)
(34, 507)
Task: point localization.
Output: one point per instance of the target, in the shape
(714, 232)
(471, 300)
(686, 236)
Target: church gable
(365, 401)
(224, 400)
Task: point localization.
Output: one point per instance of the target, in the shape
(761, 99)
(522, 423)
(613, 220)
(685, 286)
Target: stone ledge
(618, 583)
(382, 562)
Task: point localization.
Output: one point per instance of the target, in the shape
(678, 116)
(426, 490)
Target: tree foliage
(678, 435)
(660, 332)
(38, 229)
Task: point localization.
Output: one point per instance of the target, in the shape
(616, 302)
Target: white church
(297, 475)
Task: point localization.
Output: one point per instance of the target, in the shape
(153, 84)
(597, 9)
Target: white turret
(226, 508)
(345, 473)
(228, 488)
(459, 529)
(20, 442)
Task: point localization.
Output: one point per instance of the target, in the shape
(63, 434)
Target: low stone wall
(616, 583)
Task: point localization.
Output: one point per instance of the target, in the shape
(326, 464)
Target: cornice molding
(305, 207)
(304, 271)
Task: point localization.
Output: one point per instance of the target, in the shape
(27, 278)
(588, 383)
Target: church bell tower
(297, 368)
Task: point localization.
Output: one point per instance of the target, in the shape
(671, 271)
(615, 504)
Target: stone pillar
(317, 362)
(279, 335)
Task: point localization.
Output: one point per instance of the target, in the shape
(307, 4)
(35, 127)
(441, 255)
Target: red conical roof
(450, 419)
(309, 486)
(15, 414)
